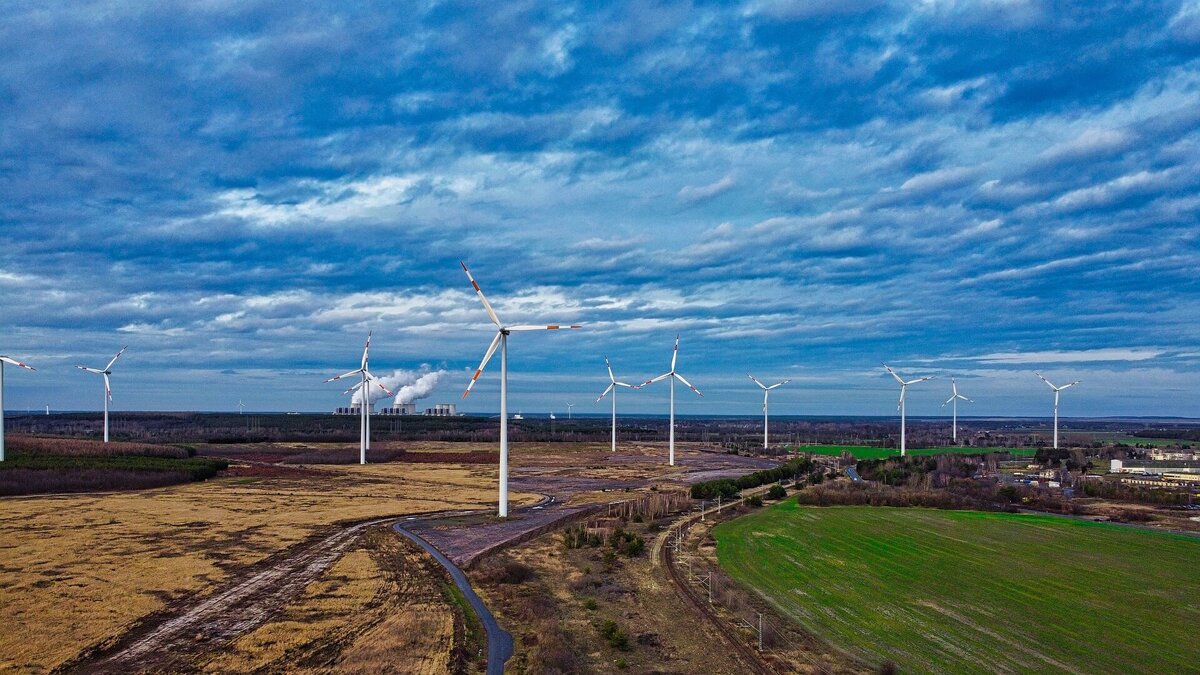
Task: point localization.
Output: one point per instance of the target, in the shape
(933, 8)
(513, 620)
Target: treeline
(47, 465)
(869, 494)
(730, 487)
(196, 468)
(1111, 489)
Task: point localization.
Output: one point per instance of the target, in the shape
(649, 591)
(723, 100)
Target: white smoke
(407, 385)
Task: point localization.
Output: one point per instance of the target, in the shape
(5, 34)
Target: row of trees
(793, 469)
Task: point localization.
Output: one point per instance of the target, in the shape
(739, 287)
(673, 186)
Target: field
(970, 591)
(79, 569)
(876, 452)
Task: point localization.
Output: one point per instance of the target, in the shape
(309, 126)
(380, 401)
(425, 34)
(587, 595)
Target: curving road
(500, 642)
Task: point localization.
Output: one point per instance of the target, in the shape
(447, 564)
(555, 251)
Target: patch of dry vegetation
(596, 611)
(379, 609)
(80, 570)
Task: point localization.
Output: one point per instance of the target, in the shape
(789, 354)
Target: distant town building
(1160, 455)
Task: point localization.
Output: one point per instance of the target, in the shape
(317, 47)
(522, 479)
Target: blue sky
(241, 190)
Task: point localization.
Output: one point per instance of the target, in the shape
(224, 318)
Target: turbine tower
(363, 387)
(107, 386)
(954, 399)
(900, 405)
(501, 341)
(1056, 392)
(612, 386)
(674, 376)
(4, 360)
(766, 394)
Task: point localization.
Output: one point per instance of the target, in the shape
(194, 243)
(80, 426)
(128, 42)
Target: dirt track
(231, 612)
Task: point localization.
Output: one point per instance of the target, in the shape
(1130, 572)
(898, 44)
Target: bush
(508, 572)
(755, 501)
(776, 492)
(614, 635)
(590, 604)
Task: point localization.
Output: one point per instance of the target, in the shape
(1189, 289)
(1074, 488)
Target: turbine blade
(919, 379)
(353, 372)
(366, 348)
(1065, 386)
(1048, 383)
(486, 357)
(107, 386)
(760, 384)
(16, 363)
(549, 327)
(379, 384)
(893, 373)
(91, 370)
(623, 384)
(611, 377)
(965, 398)
(689, 384)
(114, 359)
(903, 388)
(486, 305)
(606, 390)
(950, 399)
(675, 354)
(652, 380)
(777, 385)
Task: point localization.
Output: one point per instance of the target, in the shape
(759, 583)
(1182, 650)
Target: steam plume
(408, 385)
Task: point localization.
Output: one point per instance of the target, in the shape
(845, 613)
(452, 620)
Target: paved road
(500, 642)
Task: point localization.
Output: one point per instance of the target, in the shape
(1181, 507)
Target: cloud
(695, 194)
(1080, 356)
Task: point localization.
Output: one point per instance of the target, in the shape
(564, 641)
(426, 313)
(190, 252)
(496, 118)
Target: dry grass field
(79, 570)
(380, 608)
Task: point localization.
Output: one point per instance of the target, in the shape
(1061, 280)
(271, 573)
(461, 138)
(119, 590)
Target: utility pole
(760, 631)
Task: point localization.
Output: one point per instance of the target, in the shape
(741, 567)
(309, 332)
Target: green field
(956, 591)
(875, 452)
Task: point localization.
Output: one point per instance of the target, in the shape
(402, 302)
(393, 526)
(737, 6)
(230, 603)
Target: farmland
(971, 591)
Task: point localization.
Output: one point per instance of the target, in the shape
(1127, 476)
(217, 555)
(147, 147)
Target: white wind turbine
(107, 385)
(954, 399)
(766, 394)
(1056, 392)
(4, 360)
(364, 428)
(900, 406)
(501, 341)
(612, 386)
(569, 406)
(674, 376)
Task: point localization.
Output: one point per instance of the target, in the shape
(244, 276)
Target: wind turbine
(107, 388)
(612, 386)
(241, 407)
(954, 399)
(1056, 392)
(569, 406)
(900, 406)
(4, 360)
(674, 376)
(364, 429)
(501, 341)
(766, 393)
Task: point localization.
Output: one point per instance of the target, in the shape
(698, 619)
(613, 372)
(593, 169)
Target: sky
(799, 189)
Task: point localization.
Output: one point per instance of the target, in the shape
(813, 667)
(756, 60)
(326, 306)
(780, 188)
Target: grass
(958, 591)
(875, 452)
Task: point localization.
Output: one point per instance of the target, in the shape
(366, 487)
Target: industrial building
(438, 410)
(1149, 466)
(402, 409)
